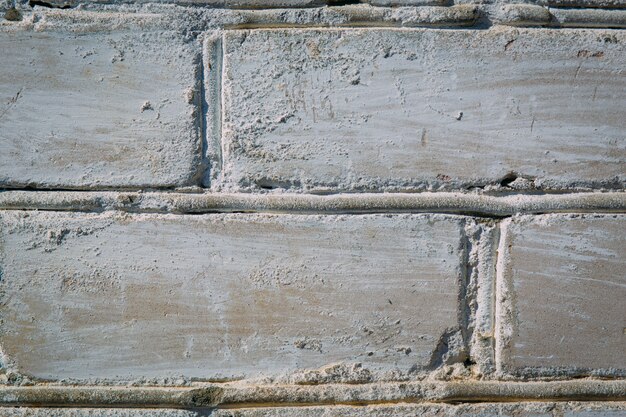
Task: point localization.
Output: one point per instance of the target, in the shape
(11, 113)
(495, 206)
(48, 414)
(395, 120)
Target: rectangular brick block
(97, 107)
(415, 109)
(227, 296)
(562, 289)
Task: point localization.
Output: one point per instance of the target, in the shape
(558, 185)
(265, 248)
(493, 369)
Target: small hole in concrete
(508, 179)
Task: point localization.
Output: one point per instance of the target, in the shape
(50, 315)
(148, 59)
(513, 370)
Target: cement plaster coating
(123, 296)
(435, 109)
(561, 298)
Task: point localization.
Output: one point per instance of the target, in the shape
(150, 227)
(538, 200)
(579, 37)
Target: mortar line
(494, 247)
(490, 206)
(497, 291)
(222, 110)
(204, 145)
(241, 395)
(464, 316)
(212, 59)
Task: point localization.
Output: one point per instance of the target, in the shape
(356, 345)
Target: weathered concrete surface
(98, 108)
(266, 4)
(548, 409)
(435, 109)
(224, 296)
(561, 295)
(441, 410)
(354, 15)
(187, 19)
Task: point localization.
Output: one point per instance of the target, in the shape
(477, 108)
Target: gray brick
(414, 109)
(563, 287)
(98, 108)
(222, 296)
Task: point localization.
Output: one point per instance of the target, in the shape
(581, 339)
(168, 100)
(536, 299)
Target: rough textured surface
(98, 109)
(201, 19)
(195, 201)
(549, 409)
(182, 393)
(434, 109)
(441, 410)
(562, 295)
(336, 297)
(226, 296)
(352, 15)
(265, 4)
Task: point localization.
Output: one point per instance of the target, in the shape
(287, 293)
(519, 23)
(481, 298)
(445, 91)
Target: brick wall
(308, 208)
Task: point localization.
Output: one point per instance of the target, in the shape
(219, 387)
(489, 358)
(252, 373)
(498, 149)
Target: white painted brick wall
(298, 208)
